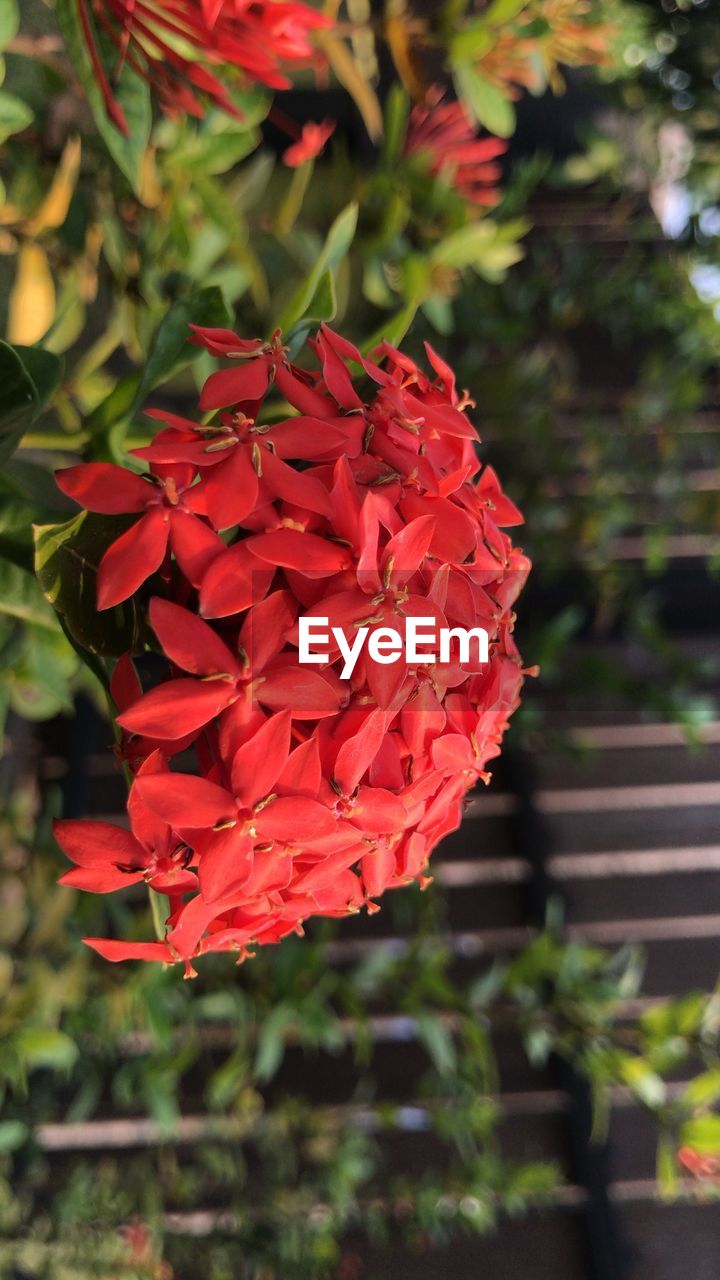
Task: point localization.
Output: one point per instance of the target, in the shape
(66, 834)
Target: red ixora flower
(311, 143)
(179, 46)
(441, 135)
(303, 790)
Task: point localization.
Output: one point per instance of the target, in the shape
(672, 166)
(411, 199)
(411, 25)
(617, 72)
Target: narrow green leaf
(337, 243)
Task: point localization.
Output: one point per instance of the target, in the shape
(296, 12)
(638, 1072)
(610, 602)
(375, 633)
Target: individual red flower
(441, 136)
(303, 790)
(108, 857)
(182, 46)
(170, 504)
(310, 144)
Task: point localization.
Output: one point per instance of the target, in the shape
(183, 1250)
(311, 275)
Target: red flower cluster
(305, 794)
(177, 46)
(441, 134)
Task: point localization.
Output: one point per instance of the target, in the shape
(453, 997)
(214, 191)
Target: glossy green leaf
(28, 377)
(171, 345)
(66, 562)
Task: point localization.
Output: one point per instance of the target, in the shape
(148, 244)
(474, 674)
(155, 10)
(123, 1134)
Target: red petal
(336, 376)
(302, 774)
(452, 753)
(357, 753)
(178, 707)
(103, 487)
(377, 867)
(225, 865)
(230, 490)
(293, 819)
(303, 397)
(194, 546)
(114, 951)
(378, 812)
(125, 687)
(305, 552)
(183, 800)
(455, 533)
(189, 642)
(305, 693)
(266, 627)
(132, 558)
(246, 381)
(223, 342)
(259, 761)
(408, 548)
(295, 486)
(99, 879)
(318, 439)
(235, 581)
(91, 844)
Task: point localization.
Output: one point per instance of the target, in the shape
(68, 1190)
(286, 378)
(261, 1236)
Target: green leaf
(271, 1043)
(22, 598)
(337, 243)
(702, 1134)
(45, 369)
(116, 407)
(12, 1135)
(15, 115)
(9, 22)
(645, 1083)
(397, 110)
(215, 150)
(19, 400)
(66, 561)
(22, 396)
(502, 11)
(41, 678)
(485, 101)
(29, 376)
(47, 1047)
(394, 329)
(704, 1089)
(130, 92)
(171, 345)
(323, 307)
(438, 1041)
(36, 486)
(471, 43)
